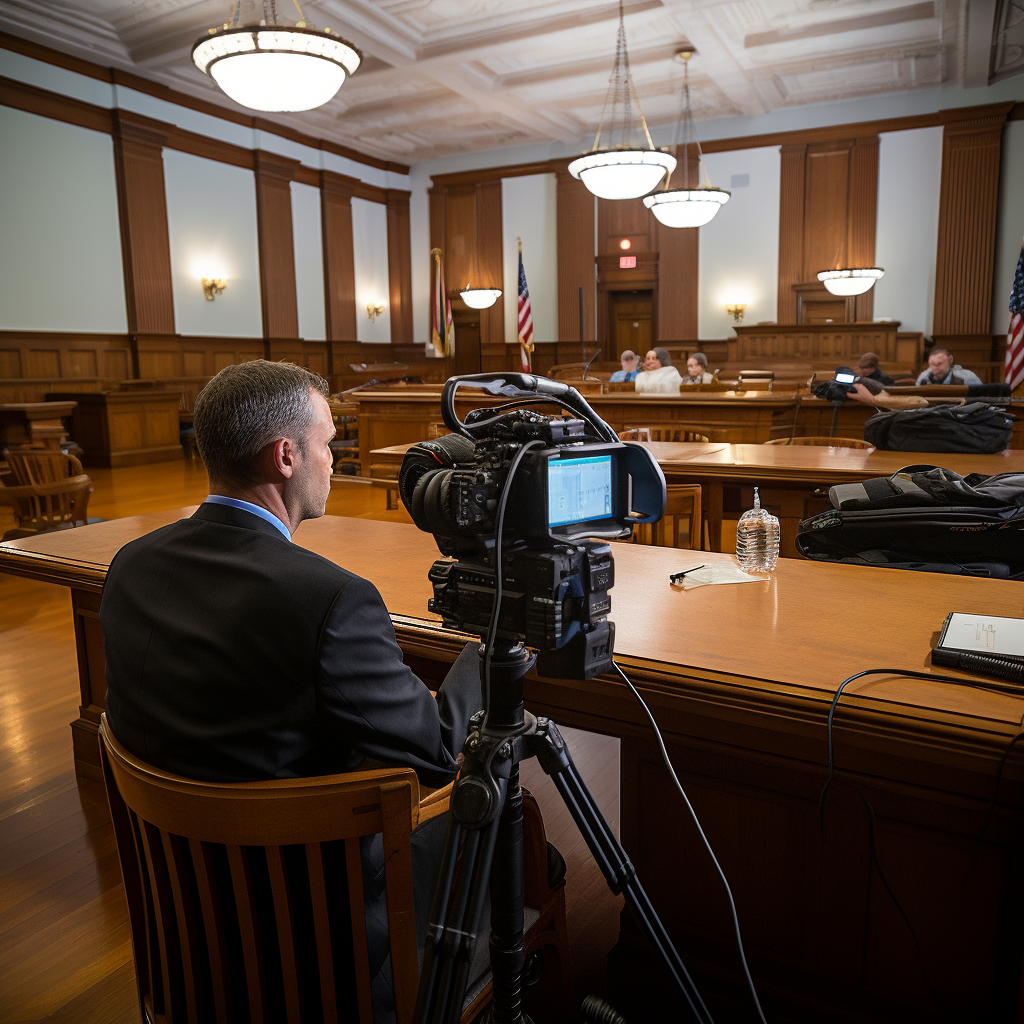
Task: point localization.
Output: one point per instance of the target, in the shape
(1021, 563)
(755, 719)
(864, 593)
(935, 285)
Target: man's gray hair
(628, 354)
(248, 406)
(941, 351)
(700, 357)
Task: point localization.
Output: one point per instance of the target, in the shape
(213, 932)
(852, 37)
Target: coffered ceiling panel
(443, 76)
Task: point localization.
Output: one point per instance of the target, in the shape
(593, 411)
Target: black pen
(676, 576)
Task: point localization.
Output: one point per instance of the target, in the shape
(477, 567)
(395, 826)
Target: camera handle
(520, 385)
(487, 806)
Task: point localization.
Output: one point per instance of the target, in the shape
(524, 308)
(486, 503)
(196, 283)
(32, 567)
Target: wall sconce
(213, 286)
(736, 311)
(374, 310)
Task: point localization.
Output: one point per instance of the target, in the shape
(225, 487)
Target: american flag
(442, 329)
(1015, 335)
(525, 316)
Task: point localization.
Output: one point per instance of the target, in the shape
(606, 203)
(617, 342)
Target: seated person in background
(658, 376)
(629, 368)
(869, 368)
(697, 369)
(235, 655)
(942, 370)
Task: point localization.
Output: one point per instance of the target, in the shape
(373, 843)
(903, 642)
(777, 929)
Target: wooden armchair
(660, 434)
(825, 442)
(246, 899)
(50, 491)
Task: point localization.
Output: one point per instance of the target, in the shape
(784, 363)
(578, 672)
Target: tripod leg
(611, 858)
(455, 921)
(507, 921)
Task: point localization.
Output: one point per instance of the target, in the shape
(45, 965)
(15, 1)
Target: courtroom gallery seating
(50, 491)
(246, 899)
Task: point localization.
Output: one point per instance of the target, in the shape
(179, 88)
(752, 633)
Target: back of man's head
(248, 406)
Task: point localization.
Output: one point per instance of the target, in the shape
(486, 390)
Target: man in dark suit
(235, 655)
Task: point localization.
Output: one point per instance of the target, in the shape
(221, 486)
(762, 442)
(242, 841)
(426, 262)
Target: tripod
(487, 819)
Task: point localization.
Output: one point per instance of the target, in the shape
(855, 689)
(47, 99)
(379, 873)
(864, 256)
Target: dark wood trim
(968, 213)
(575, 246)
(400, 266)
(276, 244)
(33, 100)
(336, 192)
(142, 210)
(130, 80)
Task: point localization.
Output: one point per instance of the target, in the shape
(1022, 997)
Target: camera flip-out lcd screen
(579, 490)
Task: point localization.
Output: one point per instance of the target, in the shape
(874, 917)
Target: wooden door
(631, 319)
(467, 341)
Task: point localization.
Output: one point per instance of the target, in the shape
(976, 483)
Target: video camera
(541, 496)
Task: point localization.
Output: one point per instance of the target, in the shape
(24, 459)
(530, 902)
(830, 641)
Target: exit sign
(627, 262)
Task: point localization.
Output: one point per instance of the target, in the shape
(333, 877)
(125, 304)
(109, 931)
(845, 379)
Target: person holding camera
(658, 375)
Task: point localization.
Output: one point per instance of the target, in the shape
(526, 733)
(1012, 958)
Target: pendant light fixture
(851, 281)
(687, 207)
(271, 66)
(623, 163)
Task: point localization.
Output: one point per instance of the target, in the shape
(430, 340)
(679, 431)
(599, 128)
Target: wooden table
(127, 428)
(34, 423)
(787, 475)
(404, 415)
(740, 678)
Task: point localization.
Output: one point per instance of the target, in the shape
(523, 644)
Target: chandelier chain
(621, 97)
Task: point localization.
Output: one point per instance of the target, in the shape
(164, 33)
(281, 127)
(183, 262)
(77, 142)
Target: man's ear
(283, 456)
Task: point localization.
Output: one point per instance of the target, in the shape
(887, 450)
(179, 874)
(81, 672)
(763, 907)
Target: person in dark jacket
(235, 655)
(870, 368)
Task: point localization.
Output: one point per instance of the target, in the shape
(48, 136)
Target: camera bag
(976, 427)
(924, 518)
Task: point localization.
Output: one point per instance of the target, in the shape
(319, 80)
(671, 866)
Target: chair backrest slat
(164, 922)
(153, 981)
(249, 926)
(357, 910)
(322, 927)
(401, 905)
(193, 954)
(213, 924)
(280, 890)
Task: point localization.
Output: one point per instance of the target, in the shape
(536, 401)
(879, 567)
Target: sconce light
(213, 286)
(374, 310)
(736, 311)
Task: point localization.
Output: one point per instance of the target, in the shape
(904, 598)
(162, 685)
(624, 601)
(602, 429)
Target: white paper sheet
(718, 572)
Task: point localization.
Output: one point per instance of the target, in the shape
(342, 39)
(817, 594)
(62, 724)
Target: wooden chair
(748, 376)
(50, 491)
(825, 442)
(660, 434)
(246, 899)
(683, 503)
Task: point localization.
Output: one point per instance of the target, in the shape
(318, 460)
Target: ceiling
(449, 76)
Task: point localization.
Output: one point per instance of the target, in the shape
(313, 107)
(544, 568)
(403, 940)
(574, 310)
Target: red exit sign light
(627, 262)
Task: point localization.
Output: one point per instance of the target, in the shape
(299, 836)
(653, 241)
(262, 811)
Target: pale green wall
(60, 254)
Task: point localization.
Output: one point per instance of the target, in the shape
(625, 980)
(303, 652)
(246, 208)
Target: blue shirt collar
(256, 510)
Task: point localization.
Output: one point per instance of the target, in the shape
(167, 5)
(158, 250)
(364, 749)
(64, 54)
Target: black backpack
(977, 427)
(925, 518)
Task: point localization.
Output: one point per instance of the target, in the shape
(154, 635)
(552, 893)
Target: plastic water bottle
(757, 539)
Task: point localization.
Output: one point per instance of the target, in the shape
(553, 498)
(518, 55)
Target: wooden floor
(64, 942)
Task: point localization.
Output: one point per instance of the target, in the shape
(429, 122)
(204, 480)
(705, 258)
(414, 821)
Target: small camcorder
(574, 488)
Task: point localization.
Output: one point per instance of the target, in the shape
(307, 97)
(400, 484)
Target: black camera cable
(931, 677)
(492, 628)
(704, 838)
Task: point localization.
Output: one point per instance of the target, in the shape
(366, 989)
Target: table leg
(714, 499)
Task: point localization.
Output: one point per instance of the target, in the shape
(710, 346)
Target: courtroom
(512, 512)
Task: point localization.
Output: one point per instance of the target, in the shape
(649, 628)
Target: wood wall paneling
(826, 200)
(142, 207)
(339, 261)
(400, 266)
(575, 240)
(678, 283)
(861, 218)
(276, 244)
(968, 209)
(791, 230)
(489, 260)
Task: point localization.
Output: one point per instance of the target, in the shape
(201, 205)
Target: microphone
(589, 361)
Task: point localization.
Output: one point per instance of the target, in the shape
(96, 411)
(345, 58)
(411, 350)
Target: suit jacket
(235, 655)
